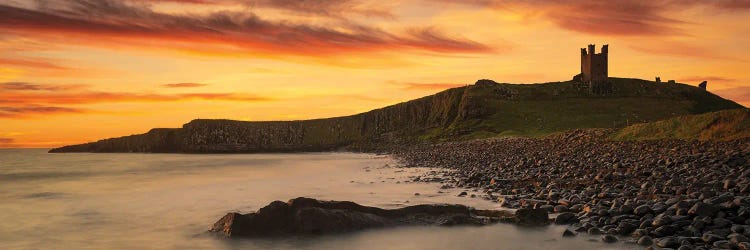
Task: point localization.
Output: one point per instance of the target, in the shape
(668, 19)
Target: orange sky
(82, 70)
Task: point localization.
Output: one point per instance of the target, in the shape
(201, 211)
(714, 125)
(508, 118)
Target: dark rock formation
(310, 216)
(228, 136)
(703, 84)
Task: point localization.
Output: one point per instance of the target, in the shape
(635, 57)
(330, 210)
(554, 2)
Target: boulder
(711, 238)
(310, 216)
(643, 210)
(645, 241)
(608, 238)
(532, 217)
(703, 209)
(565, 218)
(668, 242)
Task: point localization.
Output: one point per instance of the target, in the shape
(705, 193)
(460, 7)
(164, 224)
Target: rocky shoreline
(658, 194)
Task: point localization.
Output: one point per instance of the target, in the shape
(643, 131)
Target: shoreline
(663, 193)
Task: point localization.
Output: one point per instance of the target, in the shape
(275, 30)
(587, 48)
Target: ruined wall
(585, 65)
(594, 67)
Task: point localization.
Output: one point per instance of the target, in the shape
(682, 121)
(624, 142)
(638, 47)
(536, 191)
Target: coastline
(667, 193)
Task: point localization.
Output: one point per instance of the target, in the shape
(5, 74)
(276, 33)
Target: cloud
(31, 63)
(328, 8)
(184, 85)
(625, 18)
(112, 23)
(34, 110)
(20, 100)
(616, 17)
(6, 140)
(738, 94)
(681, 49)
(21, 86)
(20, 93)
(426, 86)
(706, 78)
(438, 41)
(335, 8)
(117, 97)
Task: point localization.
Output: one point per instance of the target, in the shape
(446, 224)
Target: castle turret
(594, 67)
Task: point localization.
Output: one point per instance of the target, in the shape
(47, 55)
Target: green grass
(540, 109)
(720, 125)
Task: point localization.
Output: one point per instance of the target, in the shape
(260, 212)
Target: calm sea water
(168, 201)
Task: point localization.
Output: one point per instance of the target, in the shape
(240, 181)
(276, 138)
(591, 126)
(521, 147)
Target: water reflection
(168, 201)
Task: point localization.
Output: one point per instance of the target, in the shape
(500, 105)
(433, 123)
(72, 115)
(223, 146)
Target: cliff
(484, 109)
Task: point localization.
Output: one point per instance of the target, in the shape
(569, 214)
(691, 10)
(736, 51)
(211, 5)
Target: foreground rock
(666, 193)
(311, 216)
(532, 217)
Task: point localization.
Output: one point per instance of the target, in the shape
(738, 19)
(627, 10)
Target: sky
(73, 71)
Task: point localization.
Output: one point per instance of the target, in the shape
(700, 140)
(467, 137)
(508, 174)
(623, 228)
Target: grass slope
(720, 125)
(540, 109)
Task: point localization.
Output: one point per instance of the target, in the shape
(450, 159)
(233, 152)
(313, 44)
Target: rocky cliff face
(483, 109)
(158, 140)
(228, 136)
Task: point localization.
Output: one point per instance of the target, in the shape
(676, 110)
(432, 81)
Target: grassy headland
(484, 109)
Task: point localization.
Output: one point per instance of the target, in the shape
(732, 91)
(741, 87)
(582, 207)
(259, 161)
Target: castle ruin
(594, 68)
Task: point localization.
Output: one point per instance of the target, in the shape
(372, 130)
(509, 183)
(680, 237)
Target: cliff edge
(484, 109)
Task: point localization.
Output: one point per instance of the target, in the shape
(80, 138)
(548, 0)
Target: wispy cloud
(184, 85)
(31, 63)
(28, 111)
(682, 50)
(21, 86)
(112, 23)
(330, 8)
(24, 100)
(617, 17)
(116, 97)
(425, 85)
(738, 94)
(706, 78)
(6, 140)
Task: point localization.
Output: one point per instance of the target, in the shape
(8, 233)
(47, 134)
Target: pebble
(608, 238)
(679, 194)
(568, 233)
(667, 242)
(645, 241)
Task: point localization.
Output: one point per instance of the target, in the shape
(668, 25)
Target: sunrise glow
(82, 70)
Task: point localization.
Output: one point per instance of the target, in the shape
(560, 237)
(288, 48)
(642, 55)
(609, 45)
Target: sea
(169, 201)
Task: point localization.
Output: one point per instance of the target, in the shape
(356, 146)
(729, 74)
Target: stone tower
(594, 68)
